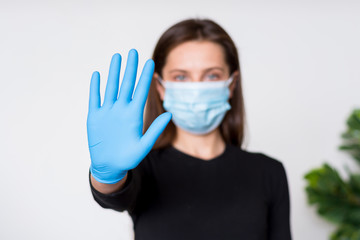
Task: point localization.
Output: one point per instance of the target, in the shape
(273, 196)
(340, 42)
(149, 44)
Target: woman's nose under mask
(197, 107)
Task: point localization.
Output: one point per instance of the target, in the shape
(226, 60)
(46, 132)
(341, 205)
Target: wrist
(108, 188)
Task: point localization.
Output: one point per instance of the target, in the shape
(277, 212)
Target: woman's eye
(180, 78)
(213, 77)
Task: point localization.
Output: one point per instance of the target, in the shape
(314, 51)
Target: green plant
(338, 199)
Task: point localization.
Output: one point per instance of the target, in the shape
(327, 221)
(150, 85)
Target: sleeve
(279, 205)
(127, 198)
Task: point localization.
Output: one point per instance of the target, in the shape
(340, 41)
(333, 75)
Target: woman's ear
(159, 87)
(232, 86)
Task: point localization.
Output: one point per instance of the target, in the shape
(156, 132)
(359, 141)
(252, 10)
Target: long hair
(232, 126)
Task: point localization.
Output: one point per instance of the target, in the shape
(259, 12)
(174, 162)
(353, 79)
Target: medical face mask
(197, 107)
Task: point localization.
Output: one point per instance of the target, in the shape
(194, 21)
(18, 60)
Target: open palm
(115, 138)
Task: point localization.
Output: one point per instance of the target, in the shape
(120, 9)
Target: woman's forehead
(195, 55)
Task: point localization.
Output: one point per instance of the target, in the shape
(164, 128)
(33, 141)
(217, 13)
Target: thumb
(154, 131)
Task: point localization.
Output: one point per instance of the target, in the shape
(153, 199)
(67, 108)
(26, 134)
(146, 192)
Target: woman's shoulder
(255, 158)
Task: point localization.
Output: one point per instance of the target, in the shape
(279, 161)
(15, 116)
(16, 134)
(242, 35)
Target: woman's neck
(205, 147)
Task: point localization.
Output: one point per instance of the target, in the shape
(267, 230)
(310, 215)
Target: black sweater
(237, 195)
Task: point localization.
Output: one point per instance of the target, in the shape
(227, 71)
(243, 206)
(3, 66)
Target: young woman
(187, 178)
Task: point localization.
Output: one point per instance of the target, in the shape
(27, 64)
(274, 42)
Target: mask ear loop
(230, 80)
(161, 81)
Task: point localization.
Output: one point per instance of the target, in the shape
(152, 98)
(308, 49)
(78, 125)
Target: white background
(301, 75)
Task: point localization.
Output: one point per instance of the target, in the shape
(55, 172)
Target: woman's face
(195, 61)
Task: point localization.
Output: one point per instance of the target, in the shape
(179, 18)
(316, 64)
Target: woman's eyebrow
(214, 68)
(177, 70)
(205, 70)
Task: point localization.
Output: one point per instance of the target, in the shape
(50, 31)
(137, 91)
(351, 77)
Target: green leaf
(354, 184)
(346, 232)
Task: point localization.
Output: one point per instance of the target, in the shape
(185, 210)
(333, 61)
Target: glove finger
(112, 85)
(156, 128)
(128, 83)
(94, 98)
(142, 88)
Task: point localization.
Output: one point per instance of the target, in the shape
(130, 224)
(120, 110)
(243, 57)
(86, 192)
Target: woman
(187, 178)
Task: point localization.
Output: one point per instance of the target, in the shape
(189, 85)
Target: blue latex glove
(115, 138)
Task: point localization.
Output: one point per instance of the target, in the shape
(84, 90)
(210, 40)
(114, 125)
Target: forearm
(120, 196)
(108, 188)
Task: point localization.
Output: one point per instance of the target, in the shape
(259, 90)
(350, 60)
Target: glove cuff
(101, 177)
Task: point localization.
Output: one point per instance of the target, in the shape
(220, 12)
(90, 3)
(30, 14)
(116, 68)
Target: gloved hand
(115, 138)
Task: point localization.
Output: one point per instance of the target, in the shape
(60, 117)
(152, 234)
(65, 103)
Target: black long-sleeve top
(237, 195)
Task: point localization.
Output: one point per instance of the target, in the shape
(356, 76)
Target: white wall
(301, 76)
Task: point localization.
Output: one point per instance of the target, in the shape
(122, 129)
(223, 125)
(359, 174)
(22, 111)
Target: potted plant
(338, 199)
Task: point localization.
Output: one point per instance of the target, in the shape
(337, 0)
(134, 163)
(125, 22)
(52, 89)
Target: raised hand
(115, 138)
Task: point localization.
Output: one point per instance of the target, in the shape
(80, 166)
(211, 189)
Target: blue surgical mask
(197, 107)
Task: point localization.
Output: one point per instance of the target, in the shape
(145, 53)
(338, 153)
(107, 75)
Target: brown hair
(232, 126)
